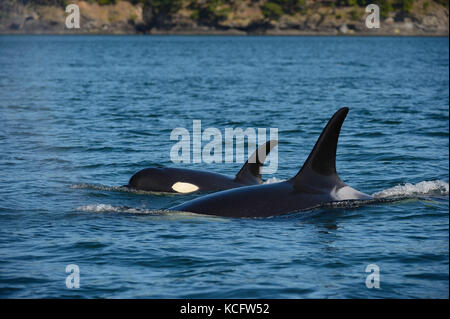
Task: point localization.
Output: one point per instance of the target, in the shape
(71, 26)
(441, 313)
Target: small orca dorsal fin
(319, 169)
(251, 171)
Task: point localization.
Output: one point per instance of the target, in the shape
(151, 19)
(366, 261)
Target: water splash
(436, 187)
(119, 189)
(166, 214)
(396, 193)
(99, 187)
(106, 208)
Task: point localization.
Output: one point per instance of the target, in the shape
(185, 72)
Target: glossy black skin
(264, 200)
(251, 201)
(315, 184)
(162, 180)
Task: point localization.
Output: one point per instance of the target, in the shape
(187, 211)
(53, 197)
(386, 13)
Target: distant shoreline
(230, 34)
(125, 18)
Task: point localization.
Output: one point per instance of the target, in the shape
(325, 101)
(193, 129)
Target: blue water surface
(80, 114)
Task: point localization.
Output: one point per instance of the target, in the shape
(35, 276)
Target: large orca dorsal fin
(251, 171)
(319, 168)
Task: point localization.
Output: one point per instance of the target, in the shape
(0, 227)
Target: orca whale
(180, 180)
(315, 184)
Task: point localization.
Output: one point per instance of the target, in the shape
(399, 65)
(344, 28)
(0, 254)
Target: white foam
(436, 187)
(118, 189)
(105, 208)
(99, 187)
(173, 215)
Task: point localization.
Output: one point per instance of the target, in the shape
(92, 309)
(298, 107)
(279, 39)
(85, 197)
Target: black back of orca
(179, 180)
(316, 183)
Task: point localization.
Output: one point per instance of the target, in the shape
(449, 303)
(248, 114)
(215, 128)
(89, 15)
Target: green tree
(385, 7)
(443, 2)
(403, 5)
(106, 2)
(61, 3)
(290, 6)
(272, 10)
(159, 12)
(211, 12)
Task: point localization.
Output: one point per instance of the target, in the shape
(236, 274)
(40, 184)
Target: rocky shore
(426, 18)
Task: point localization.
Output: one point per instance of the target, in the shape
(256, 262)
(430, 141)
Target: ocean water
(80, 114)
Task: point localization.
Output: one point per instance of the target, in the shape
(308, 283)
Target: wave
(135, 191)
(171, 214)
(397, 193)
(106, 208)
(436, 187)
(118, 189)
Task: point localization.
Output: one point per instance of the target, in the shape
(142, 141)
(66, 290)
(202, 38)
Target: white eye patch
(181, 187)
